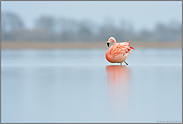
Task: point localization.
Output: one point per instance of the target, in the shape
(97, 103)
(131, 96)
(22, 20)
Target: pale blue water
(81, 86)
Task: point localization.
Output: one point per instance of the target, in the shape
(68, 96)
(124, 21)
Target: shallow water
(81, 86)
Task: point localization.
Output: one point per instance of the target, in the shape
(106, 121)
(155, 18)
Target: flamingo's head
(111, 39)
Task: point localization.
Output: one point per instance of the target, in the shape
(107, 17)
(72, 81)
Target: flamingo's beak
(108, 44)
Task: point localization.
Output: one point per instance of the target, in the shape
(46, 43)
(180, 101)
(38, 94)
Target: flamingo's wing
(121, 48)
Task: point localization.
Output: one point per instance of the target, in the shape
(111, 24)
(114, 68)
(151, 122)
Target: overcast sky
(142, 14)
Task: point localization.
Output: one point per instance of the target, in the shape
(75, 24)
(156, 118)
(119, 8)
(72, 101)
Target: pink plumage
(118, 52)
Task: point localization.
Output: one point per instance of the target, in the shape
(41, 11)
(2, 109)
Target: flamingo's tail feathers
(128, 42)
(132, 47)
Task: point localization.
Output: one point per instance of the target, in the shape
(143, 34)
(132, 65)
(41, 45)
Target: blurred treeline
(51, 29)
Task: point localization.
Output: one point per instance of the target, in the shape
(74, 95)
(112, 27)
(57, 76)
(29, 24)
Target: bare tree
(85, 33)
(12, 26)
(11, 22)
(45, 23)
(45, 26)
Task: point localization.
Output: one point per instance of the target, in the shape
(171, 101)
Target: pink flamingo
(118, 52)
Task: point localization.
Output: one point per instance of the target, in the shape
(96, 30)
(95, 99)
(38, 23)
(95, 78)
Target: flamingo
(118, 52)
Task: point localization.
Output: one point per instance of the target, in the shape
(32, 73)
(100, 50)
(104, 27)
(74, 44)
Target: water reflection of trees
(49, 28)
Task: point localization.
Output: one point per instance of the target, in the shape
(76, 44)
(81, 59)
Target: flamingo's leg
(126, 63)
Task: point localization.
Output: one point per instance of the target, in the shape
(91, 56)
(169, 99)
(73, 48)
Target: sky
(142, 14)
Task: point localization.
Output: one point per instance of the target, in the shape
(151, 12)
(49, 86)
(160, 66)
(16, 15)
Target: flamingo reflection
(117, 74)
(118, 84)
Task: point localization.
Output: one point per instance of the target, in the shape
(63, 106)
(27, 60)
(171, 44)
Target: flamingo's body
(118, 52)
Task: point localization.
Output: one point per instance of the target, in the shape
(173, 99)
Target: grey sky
(142, 14)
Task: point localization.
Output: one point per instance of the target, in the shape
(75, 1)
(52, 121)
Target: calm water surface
(81, 86)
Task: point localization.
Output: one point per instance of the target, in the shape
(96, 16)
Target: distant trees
(45, 23)
(11, 22)
(170, 32)
(45, 27)
(11, 26)
(50, 29)
(68, 30)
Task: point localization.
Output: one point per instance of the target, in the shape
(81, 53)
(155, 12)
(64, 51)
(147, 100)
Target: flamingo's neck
(114, 42)
(108, 53)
